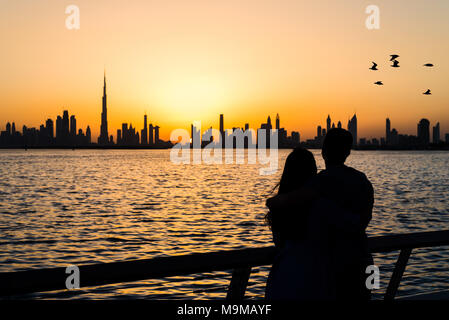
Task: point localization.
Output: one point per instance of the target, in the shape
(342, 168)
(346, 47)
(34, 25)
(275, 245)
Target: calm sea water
(61, 207)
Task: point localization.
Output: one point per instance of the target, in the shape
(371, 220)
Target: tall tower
(328, 123)
(388, 131)
(65, 127)
(222, 133)
(150, 135)
(156, 134)
(88, 135)
(352, 127)
(49, 127)
(72, 126)
(436, 133)
(354, 135)
(424, 131)
(59, 130)
(144, 132)
(104, 136)
(278, 122)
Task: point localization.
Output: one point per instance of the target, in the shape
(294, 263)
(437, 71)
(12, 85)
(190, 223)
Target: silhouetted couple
(318, 222)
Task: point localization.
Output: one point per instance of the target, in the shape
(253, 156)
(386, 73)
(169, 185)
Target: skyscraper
(195, 135)
(296, 138)
(278, 122)
(88, 135)
(328, 123)
(65, 128)
(436, 133)
(267, 127)
(424, 131)
(119, 137)
(352, 128)
(221, 123)
(58, 130)
(49, 128)
(394, 137)
(65, 122)
(144, 132)
(72, 126)
(156, 134)
(388, 131)
(150, 135)
(125, 135)
(222, 133)
(104, 136)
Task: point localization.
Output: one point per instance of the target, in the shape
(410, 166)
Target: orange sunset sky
(188, 60)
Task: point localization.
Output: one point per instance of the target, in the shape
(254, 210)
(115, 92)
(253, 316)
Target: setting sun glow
(181, 61)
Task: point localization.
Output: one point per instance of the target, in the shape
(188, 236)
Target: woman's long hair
(299, 167)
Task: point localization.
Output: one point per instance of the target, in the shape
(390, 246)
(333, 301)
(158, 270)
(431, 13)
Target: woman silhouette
(302, 267)
(300, 167)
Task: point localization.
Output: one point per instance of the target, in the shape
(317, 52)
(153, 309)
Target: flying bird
(379, 83)
(395, 64)
(374, 66)
(393, 56)
(428, 65)
(427, 92)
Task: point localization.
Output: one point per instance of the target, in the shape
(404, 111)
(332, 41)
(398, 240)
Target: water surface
(61, 207)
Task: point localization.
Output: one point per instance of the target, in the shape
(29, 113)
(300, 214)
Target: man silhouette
(351, 191)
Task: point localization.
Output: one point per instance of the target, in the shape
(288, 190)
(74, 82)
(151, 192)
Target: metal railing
(240, 261)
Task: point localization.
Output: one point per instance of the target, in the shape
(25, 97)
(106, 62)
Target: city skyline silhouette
(66, 134)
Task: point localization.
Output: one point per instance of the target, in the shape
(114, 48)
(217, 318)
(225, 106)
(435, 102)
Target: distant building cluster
(317, 142)
(284, 141)
(392, 139)
(250, 137)
(149, 135)
(128, 136)
(423, 138)
(66, 134)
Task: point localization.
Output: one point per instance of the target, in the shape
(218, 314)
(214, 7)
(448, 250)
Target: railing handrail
(40, 280)
(409, 240)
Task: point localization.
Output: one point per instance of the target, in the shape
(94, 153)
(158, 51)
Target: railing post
(239, 281)
(398, 271)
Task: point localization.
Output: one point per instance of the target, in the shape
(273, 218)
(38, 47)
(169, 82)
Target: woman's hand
(293, 199)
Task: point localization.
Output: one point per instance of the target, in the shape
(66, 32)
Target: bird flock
(393, 59)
